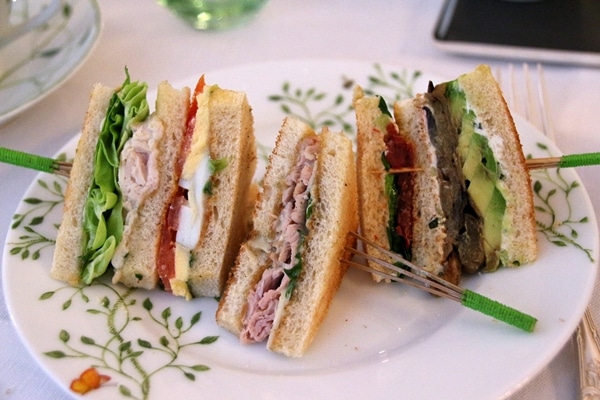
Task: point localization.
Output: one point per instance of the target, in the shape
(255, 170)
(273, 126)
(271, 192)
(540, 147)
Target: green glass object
(213, 14)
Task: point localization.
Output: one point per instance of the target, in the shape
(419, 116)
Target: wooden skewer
(568, 161)
(543, 163)
(32, 161)
(63, 168)
(404, 170)
(406, 272)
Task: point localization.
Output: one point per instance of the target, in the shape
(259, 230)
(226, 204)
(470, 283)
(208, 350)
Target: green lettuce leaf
(103, 211)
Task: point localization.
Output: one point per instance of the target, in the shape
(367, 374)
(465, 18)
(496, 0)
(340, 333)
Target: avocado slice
(482, 174)
(489, 203)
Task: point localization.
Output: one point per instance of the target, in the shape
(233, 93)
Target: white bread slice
(484, 96)
(428, 241)
(372, 201)
(334, 215)
(66, 265)
(138, 267)
(225, 211)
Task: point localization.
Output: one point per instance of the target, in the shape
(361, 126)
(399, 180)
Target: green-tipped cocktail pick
(419, 278)
(50, 165)
(32, 161)
(497, 310)
(568, 161)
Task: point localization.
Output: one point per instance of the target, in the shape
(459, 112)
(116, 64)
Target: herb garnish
(294, 272)
(214, 166)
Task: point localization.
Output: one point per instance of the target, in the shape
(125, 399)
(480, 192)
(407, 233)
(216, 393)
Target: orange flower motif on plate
(88, 380)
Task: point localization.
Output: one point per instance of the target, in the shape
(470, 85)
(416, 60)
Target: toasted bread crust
(519, 244)
(225, 220)
(370, 173)
(66, 265)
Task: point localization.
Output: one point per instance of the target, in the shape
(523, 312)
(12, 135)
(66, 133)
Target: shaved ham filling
(264, 299)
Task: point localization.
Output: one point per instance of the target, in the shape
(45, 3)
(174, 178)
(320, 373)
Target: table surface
(157, 46)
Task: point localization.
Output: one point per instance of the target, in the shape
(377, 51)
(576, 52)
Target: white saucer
(38, 63)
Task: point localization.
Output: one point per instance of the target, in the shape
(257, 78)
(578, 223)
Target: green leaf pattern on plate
(317, 108)
(118, 353)
(48, 34)
(551, 189)
(33, 241)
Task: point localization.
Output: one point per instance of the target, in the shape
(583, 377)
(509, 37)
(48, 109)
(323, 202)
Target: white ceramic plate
(38, 63)
(378, 341)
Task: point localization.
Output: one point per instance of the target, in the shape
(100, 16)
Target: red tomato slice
(166, 250)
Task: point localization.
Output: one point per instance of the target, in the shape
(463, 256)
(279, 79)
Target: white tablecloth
(157, 46)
